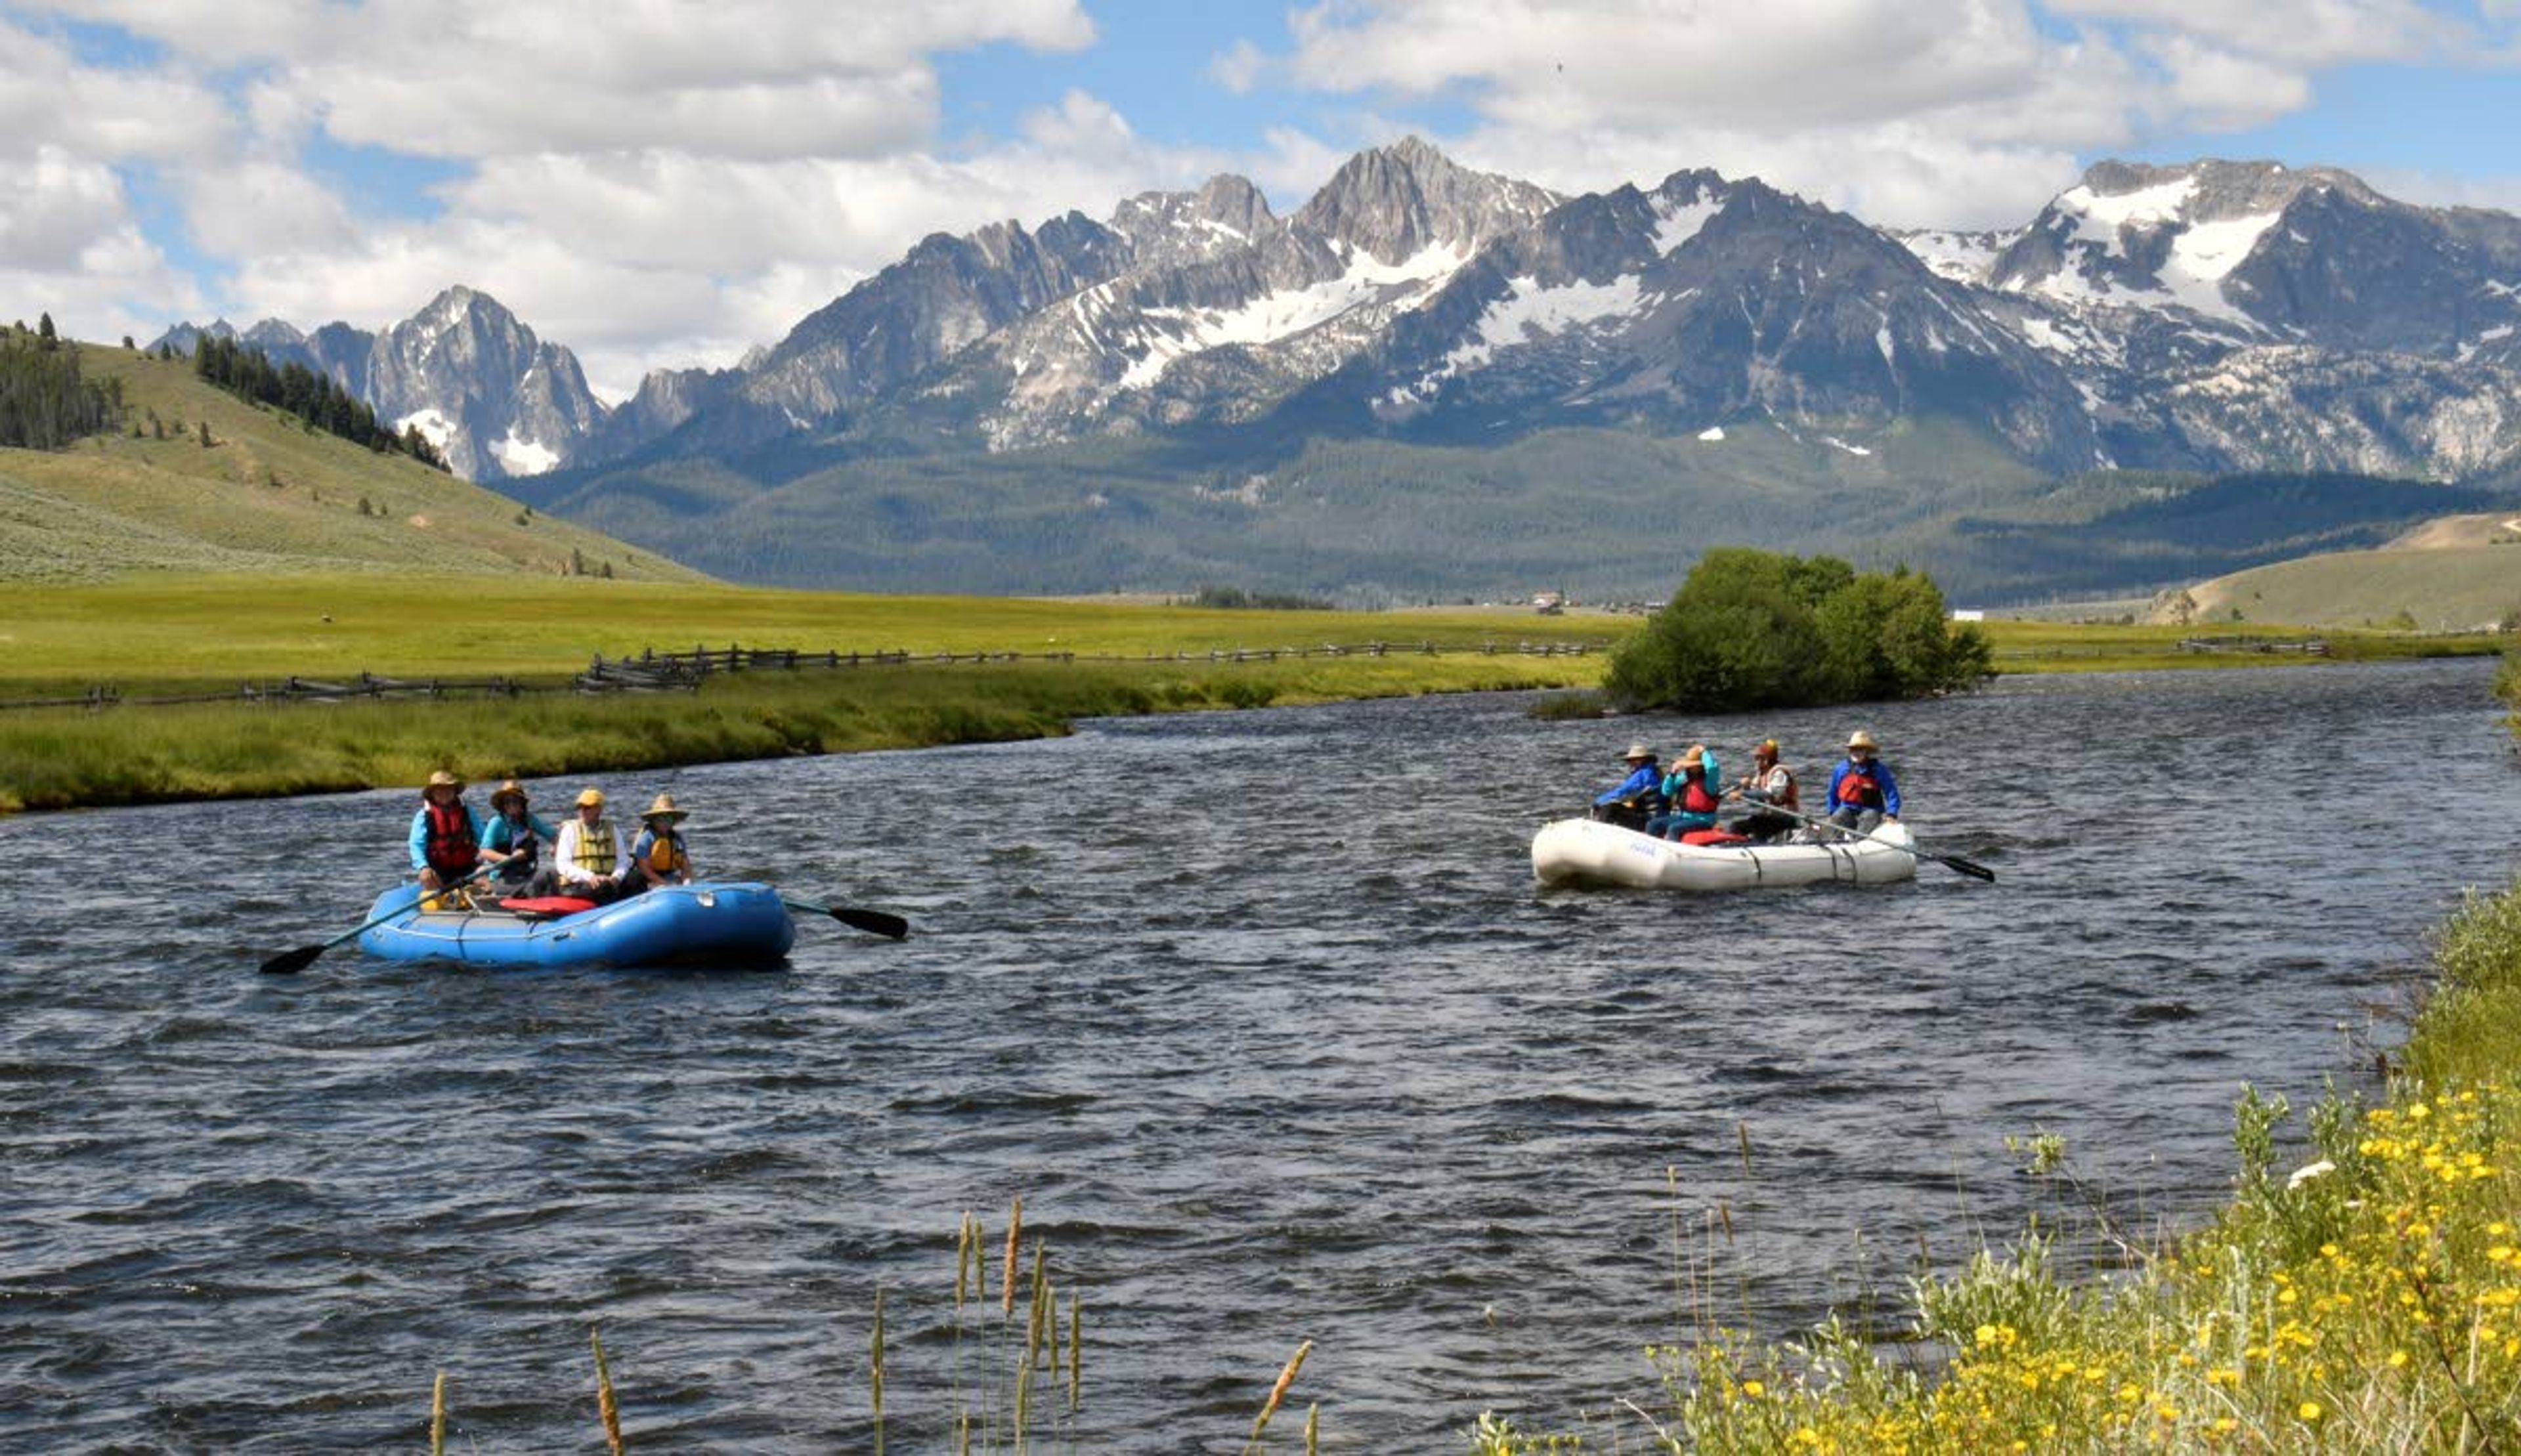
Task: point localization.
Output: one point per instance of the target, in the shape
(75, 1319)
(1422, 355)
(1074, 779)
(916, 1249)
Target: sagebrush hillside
(262, 492)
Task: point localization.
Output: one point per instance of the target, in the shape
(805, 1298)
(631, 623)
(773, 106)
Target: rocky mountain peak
(1395, 201)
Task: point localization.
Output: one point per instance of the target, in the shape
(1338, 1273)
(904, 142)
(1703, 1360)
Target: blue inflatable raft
(707, 924)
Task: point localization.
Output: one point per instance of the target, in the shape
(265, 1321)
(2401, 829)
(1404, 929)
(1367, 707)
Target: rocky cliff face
(495, 400)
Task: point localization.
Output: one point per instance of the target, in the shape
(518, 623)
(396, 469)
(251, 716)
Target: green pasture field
(173, 634)
(218, 631)
(2079, 647)
(148, 635)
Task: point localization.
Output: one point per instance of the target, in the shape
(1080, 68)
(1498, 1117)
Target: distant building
(1549, 602)
(1968, 614)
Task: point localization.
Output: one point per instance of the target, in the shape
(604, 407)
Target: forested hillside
(46, 400)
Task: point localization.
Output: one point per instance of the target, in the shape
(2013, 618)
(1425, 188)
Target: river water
(1261, 1013)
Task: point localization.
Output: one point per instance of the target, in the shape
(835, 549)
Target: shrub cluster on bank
(1753, 629)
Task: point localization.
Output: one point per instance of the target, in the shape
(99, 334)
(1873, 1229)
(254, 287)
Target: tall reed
(604, 1402)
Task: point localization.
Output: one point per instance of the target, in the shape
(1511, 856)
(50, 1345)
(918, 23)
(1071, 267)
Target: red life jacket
(1695, 799)
(1860, 787)
(452, 849)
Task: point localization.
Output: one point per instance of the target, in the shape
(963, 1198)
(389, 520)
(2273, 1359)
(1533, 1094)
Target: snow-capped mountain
(2222, 315)
(2217, 316)
(2239, 315)
(495, 400)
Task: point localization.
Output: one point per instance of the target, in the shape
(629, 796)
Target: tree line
(1751, 629)
(245, 371)
(45, 400)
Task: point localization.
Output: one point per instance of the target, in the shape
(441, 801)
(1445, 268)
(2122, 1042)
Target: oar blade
(291, 962)
(873, 921)
(1967, 867)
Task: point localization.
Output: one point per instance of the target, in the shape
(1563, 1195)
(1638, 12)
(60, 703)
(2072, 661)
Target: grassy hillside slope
(2457, 574)
(265, 495)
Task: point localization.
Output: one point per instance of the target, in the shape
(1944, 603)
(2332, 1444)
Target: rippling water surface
(1261, 1013)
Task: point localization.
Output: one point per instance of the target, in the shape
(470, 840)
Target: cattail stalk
(963, 1240)
(438, 1416)
(1314, 1429)
(604, 1404)
(875, 1370)
(1075, 1366)
(1007, 1279)
(1278, 1392)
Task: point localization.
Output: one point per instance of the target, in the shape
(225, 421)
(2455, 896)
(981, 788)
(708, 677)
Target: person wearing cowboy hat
(1691, 790)
(587, 852)
(514, 840)
(1768, 782)
(1638, 795)
(445, 833)
(1863, 793)
(658, 856)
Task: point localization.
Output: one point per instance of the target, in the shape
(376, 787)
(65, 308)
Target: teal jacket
(1676, 783)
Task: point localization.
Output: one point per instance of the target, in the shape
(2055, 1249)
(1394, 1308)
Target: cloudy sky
(659, 183)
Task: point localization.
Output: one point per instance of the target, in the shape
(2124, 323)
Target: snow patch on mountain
(1962, 258)
(1271, 317)
(524, 457)
(1528, 310)
(2101, 215)
(2203, 256)
(434, 426)
(1679, 222)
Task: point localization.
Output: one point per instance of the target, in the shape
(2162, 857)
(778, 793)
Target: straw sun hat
(664, 808)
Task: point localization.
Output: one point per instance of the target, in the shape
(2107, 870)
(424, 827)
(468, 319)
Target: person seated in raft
(1689, 790)
(1862, 790)
(1638, 797)
(1768, 782)
(658, 856)
(588, 861)
(514, 840)
(445, 834)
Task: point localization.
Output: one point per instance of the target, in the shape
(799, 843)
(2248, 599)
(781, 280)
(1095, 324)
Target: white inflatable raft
(1587, 852)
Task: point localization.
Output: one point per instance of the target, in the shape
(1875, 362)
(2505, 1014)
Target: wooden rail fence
(653, 671)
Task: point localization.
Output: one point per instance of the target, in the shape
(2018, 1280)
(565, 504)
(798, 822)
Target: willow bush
(1756, 630)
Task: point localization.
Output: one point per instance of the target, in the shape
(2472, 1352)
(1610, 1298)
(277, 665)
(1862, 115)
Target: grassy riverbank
(2364, 1294)
(174, 633)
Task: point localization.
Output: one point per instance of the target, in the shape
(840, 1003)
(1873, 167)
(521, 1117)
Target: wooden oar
(291, 962)
(873, 921)
(1971, 868)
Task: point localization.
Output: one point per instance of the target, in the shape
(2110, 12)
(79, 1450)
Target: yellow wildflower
(2309, 1410)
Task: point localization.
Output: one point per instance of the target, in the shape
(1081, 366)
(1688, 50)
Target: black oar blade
(873, 921)
(1966, 867)
(291, 962)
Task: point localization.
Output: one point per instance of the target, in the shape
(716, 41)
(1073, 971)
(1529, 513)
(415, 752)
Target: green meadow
(167, 634)
(164, 635)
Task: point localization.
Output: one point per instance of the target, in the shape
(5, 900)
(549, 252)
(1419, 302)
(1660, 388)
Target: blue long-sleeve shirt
(1881, 773)
(1644, 779)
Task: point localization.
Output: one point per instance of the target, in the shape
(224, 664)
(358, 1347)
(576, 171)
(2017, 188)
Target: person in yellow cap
(445, 834)
(658, 856)
(1862, 791)
(588, 855)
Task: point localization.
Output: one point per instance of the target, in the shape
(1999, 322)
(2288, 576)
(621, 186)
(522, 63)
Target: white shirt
(564, 851)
